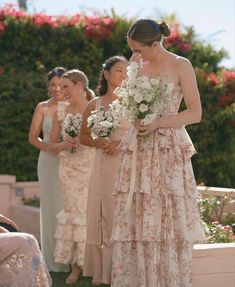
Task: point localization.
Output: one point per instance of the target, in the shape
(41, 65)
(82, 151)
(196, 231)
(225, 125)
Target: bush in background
(31, 45)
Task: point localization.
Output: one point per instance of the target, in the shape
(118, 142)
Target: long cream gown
(98, 256)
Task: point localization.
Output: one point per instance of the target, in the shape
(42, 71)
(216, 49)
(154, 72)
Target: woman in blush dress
(98, 254)
(21, 261)
(50, 195)
(74, 175)
(156, 226)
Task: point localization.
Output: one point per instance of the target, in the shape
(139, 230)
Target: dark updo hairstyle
(147, 31)
(56, 72)
(76, 76)
(108, 64)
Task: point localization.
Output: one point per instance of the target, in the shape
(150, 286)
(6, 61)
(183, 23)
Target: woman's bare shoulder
(92, 103)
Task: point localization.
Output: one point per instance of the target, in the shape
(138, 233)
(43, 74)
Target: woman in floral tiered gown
(74, 176)
(98, 255)
(153, 238)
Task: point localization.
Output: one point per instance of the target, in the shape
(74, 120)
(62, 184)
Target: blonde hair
(76, 76)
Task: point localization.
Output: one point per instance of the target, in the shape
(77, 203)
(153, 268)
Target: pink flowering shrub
(219, 223)
(32, 44)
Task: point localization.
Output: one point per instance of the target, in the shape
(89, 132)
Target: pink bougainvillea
(212, 78)
(98, 27)
(176, 39)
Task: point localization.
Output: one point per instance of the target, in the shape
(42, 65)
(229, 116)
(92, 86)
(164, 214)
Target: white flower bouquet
(101, 123)
(72, 125)
(141, 97)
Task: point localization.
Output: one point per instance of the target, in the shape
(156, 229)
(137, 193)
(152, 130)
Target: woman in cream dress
(106, 163)
(74, 176)
(50, 195)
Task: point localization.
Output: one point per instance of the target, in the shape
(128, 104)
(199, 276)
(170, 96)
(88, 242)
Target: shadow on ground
(58, 280)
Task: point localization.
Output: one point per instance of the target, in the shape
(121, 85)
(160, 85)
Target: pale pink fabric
(98, 256)
(153, 240)
(74, 177)
(21, 262)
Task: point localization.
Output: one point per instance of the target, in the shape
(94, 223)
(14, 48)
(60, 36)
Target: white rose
(155, 81)
(146, 84)
(148, 97)
(138, 98)
(143, 108)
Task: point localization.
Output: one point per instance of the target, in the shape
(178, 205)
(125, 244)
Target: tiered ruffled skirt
(74, 175)
(153, 240)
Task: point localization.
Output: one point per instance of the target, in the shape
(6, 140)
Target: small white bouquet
(101, 123)
(141, 97)
(72, 126)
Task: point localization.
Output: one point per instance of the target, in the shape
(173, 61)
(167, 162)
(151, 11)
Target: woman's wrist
(158, 123)
(47, 148)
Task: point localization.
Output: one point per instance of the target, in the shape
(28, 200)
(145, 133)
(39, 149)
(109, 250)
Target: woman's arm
(4, 219)
(193, 111)
(36, 127)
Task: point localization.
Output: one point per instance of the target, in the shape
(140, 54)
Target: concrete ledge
(27, 218)
(214, 265)
(7, 179)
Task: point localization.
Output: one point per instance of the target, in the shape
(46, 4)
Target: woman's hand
(72, 142)
(136, 57)
(147, 128)
(4, 219)
(111, 148)
(56, 148)
(101, 142)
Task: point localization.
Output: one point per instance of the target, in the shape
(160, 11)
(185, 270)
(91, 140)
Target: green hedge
(31, 45)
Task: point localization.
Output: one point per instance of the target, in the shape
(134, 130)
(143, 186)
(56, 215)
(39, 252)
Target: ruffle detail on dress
(60, 110)
(163, 164)
(70, 227)
(164, 220)
(177, 139)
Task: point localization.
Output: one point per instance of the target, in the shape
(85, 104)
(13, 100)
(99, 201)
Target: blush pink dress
(100, 211)
(153, 239)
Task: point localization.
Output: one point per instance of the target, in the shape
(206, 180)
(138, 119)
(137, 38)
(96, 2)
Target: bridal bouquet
(141, 97)
(72, 126)
(101, 123)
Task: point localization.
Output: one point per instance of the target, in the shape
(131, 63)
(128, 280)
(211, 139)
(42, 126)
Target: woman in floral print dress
(153, 238)
(21, 261)
(74, 175)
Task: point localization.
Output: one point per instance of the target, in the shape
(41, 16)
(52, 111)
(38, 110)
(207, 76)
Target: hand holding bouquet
(72, 126)
(101, 123)
(141, 98)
